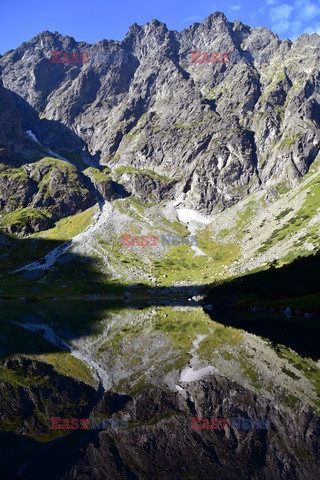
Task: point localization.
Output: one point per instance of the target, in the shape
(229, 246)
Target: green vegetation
(18, 174)
(245, 216)
(120, 256)
(18, 378)
(182, 327)
(22, 217)
(291, 400)
(284, 213)
(219, 338)
(69, 366)
(288, 141)
(10, 425)
(74, 277)
(305, 365)
(173, 226)
(249, 371)
(19, 252)
(135, 171)
(214, 92)
(274, 76)
(138, 204)
(301, 218)
(176, 328)
(55, 179)
(68, 227)
(74, 157)
(97, 175)
(282, 188)
(290, 374)
(66, 178)
(182, 125)
(181, 263)
(225, 233)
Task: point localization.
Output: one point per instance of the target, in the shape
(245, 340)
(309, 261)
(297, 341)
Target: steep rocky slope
(218, 130)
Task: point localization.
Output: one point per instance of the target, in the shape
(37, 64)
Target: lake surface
(129, 349)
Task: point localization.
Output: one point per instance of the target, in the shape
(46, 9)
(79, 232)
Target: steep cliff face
(12, 136)
(137, 125)
(220, 130)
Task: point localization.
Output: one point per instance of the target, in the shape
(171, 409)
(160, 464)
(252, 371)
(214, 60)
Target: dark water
(298, 332)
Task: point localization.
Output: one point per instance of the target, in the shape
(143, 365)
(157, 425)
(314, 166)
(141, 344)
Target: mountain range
(138, 139)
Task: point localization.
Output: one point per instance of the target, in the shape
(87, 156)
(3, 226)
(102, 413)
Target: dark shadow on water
(28, 459)
(295, 333)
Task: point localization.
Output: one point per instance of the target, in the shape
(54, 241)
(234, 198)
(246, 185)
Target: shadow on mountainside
(296, 285)
(281, 304)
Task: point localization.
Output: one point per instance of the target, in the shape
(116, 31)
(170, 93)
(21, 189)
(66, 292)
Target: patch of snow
(52, 153)
(32, 136)
(47, 333)
(189, 374)
(221, 163)
(49, 259)
(187, 215)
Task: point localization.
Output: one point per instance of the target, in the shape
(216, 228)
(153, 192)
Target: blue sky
(94, 20)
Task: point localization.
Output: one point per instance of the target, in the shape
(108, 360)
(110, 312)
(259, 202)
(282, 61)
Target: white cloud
(313, 29)
(192, 18)
(281, 27)
(296, 28)
(307, 10)
(281, 12)
(294, 19)
(235, 7)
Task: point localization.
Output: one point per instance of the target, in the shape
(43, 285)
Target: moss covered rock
(34, 196)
